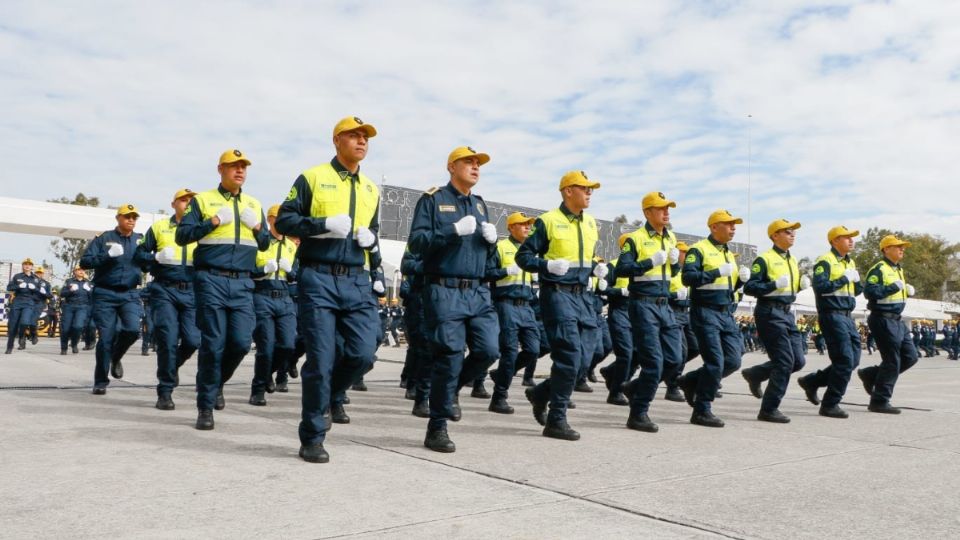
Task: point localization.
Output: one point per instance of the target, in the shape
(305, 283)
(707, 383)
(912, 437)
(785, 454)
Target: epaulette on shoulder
(432, 190)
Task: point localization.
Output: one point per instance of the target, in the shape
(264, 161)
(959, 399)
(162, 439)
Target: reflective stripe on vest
(889, 275)
(277, 251)
(712, 259)
(778, 265)
(621, 282)
(165, 232)
(507, 251)
(570, 239)
(333, 195)
(210, 202)
(837, 267)
(646, 245)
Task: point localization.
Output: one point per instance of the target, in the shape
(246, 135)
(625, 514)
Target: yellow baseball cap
(577, 178)
(39, 270)
(722, 216)
(232, 156)
(273, 211)
(518, 217)
(127, 209)
(28, 260)
(840, 230)
(350, 123)
(185, 192)
(622, 239)
(781, 224)
(891, 240)
(656, 199)
(682, 246)
(461, 152)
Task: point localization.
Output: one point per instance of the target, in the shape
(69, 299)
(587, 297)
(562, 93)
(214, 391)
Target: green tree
(69, 250)
(926, 263)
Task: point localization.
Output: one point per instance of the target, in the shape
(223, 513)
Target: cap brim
(129, 213)
(662, 204)
(732, 219)
(367, 129)
(243, 159)
(903, 243)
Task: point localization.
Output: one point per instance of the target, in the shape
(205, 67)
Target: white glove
(601, 271)
(270, 267)
(658, 258)
(682, 294)
(31, 286)
(602, 285)
(165, 255)
(378, 286)
(115, 250)
(339, 225)
(86, 286)
(365, 237)
(725, 269)
(623, 291)
(674, 255)
(23, 285)
(489, 231)
(285, 265)
(910, 290)
(225, 215)
(744, 273)
(852, 275)
(73, 286)
(898, 284)
(783, 281)
(466, 225)
(249, 218)
(513, 270)
(804, 282)
(558, 267)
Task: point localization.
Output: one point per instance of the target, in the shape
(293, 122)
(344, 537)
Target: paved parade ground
(76, 465)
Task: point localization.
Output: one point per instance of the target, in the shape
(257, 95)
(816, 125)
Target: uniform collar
(715, 242)
(342, 171)
(120, 234)
(514, 241)
(455, 192)
(886, 260)
(570, 215)
(651, 230)
(785, 254)
(837, 254)
(226, 194)
(173, 220)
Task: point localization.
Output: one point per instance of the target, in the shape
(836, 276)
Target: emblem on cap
(357, 120)
(471, 150)
(237, 153)
(129, 207)
(584, 175)
(661, 195)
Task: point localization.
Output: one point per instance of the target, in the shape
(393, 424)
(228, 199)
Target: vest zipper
(579, 240)
(236, 221)
(279, 253)
(790, 269)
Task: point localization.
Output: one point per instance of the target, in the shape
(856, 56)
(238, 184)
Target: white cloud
(854, 105)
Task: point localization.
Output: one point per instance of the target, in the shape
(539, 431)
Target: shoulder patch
(293, 193)
(819, 269)
(755, 268)
(873, 279)
(432, 190)
(691, 258)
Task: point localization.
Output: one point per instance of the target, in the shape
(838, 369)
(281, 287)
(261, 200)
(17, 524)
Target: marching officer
(711, 271)
(887, 291)
(650, 259)
(333, 209)
(116, 298)
(418, 340)
(25, 286)
(775, 281)
(229, 229)
(46, 294)
(621, 335)
(512, 292)
(561, 249)
(396, 317)
(146, 323)
(836, 284)
(171, 299)
(276, 329)
(75, 299)
(680, 304)
(452, 236)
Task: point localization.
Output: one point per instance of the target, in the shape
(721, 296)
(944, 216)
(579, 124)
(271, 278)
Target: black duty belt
(273, 293)
(766, 304)
(887, 315)
(178, 285)
(454, 283)
(228, 273)
(680, 309)
(574, 288)
(335, 269)
(514, 301)
(647, 299)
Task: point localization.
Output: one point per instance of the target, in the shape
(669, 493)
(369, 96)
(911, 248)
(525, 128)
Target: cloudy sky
(832, 112)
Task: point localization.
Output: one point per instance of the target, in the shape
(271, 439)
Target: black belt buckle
(519, 302)
(339, 269)
(183, 286)
(276, 294)
(463, 284)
